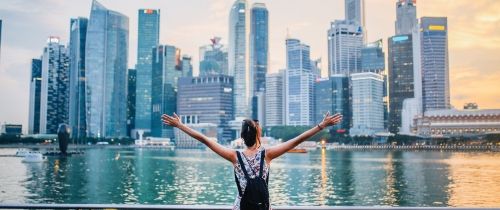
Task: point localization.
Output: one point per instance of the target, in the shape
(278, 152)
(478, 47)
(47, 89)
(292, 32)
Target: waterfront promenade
(54, 147)
(214, 207)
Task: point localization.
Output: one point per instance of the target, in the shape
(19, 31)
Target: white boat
(34, 158)
(23, 152)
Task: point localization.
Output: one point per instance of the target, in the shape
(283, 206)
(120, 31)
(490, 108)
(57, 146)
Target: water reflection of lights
(470, 176)
(324, 178)
(390, 181)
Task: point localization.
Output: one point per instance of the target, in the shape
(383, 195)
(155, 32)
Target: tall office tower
(274, 99)
(367, 104)
(148, 37)
(355, 11)
(345, 40)
(35, 94)
(187, 66)
(259, 46)
(238, 60)
(213, 58)
(406, 16)
(298, 84)
(373, 57)
(131, 98)
(106, 57)
(0, 39)
(401, 77)
(434, 63)
(166, 71)
(77, 110)
(210, 98)
(316, 68)
(54, 98)
(332, 95)
(259, 57)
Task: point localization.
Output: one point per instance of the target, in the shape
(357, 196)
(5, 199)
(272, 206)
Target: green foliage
(402, 139)
(16, 139)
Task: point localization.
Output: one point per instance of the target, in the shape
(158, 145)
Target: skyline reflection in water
(322, 177)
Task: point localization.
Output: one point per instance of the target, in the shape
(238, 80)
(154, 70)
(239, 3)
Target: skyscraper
(274, 99)
(213, 58)
(406, 16)
(345, 40)
(131, 98)
(210, 98)
(259, 46)
(367, 104)
(238, 60)
(0, 39)
(332, 95)
(148, 37)
(434, 63)
(106, 57)
(298, 84)
(54, 98)
(77, 110)
(401, 77)
(187, 66)
(35, 94)
(373, 57)
(355, 11)
(164, 87)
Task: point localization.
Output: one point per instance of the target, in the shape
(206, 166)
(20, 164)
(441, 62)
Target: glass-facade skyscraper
(406, 16)
(0, 39)
(148, 36)
(373, 57)
(401, 77)
(210, 98)
(35, 94)
(298, 84)
(345, 40)
(106, 56)
(274, 98)
(332, 94)
(131, 97)
(259, 57)
(238, 60)
(164, 87)
(434, 63)
(54, 98)
(367, 104)
(213, 58)
(77, 110)
(355, 11)
(259, 46)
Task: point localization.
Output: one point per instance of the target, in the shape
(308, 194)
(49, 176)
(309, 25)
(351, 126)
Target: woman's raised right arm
(226, 153)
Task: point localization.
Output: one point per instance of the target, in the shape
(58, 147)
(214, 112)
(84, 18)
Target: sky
(474, 37)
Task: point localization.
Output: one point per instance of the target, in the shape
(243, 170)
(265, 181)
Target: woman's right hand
(173, 121)
(330, 120)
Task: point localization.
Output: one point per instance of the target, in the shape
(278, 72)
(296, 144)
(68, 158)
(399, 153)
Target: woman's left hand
(173, 121)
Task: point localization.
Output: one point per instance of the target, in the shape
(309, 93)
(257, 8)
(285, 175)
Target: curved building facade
(106, 64)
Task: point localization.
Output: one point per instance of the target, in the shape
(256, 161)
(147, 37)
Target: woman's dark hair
(250, 132)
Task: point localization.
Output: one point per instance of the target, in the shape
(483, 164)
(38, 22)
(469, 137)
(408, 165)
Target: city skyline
(15, 68)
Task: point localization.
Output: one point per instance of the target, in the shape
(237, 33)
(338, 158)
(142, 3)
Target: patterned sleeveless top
(252, 165)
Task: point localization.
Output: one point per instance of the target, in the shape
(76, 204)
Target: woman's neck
(254, 147)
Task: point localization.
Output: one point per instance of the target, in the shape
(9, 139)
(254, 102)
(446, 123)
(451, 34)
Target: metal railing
(214, 207)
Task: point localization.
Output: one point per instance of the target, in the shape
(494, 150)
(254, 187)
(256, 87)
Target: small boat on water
(298, 150)
(34, 158)
(24, 152)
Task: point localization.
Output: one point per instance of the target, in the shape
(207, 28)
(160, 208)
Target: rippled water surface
(145, 176)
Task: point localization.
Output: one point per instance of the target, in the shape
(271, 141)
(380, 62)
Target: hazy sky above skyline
(474, 37)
